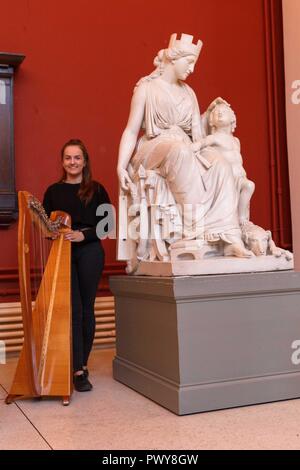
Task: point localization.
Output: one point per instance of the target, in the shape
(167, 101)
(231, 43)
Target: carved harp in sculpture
(44, 367)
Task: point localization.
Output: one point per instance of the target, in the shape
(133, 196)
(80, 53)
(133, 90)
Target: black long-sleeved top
(64, 197)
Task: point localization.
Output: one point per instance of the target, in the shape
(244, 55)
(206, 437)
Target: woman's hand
(74, 236)
(53, 236)
(124, 179)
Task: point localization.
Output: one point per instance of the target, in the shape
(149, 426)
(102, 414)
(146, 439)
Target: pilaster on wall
(275, 81)
(291, 22)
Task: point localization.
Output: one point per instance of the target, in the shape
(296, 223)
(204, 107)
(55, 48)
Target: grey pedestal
(203, 343)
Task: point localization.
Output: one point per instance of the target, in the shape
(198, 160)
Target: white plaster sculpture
(184, 194)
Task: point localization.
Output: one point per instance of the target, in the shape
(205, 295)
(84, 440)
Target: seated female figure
(167, 109)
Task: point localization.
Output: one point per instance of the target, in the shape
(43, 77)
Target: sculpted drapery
(192, 178)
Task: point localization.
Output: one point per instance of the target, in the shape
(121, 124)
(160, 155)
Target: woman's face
(184, 66)
(73, 161)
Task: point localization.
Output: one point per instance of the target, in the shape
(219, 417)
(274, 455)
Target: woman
(167, 109)
(78, 195)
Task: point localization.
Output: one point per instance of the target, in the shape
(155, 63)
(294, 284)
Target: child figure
(221, 124)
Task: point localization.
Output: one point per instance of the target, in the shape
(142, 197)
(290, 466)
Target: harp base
(11, 398)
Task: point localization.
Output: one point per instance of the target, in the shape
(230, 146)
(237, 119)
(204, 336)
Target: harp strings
(40, 249)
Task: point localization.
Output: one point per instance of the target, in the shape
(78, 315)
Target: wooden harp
(44, 367)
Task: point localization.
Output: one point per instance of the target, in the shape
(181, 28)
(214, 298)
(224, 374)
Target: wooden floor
(113, 416)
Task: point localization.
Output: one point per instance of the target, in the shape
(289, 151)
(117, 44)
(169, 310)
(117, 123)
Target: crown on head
(185, 43)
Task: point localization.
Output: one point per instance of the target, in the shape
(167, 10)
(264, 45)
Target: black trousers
(87, 267)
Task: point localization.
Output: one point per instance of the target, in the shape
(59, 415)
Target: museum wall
(83, 59)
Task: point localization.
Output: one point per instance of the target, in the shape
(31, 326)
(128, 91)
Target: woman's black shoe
(85, 372)
(81, 383)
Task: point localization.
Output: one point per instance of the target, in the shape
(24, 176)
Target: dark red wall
(83, 59)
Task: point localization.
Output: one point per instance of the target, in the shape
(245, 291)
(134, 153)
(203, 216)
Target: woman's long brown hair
(87, 186)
